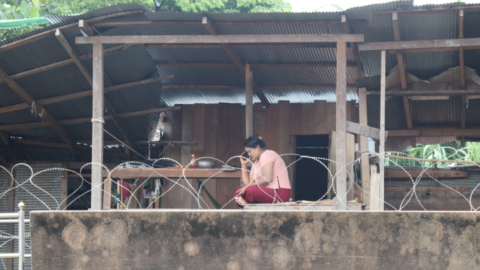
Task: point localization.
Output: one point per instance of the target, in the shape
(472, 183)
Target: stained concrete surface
(235, 240)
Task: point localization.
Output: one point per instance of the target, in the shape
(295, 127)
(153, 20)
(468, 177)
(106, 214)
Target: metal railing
(20, 218)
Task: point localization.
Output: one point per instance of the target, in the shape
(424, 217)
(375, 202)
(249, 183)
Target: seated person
(267, 181)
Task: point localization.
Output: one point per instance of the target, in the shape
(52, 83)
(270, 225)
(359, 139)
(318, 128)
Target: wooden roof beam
(425, 92)
(51, 32)
(118, 123)
(50, 143)
(44, 114)
(427, 11)
(221, 39)
(64, 63)
(434, 50)
(420, 44)
(63, 40)
(244, 46)
(84, 120)
(191, 86)
(403, 78)
(261, 65)
(87, 93)
(86, 28)
(175, 23)
(347, 29)
(239, 65)
(431, 132)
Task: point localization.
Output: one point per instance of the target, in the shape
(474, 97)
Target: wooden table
(129, 173)
(174, 174)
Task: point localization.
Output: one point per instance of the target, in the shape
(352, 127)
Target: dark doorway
(311, 177)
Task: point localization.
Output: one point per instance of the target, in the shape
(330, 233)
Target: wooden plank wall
(220, 132)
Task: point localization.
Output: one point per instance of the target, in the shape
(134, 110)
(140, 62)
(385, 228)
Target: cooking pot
(206, 164)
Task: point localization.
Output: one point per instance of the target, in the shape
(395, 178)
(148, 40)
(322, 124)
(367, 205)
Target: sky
(312, 5)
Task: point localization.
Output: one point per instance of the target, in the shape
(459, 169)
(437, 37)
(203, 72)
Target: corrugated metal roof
(137, 63)
(237, 96)
(132, 64)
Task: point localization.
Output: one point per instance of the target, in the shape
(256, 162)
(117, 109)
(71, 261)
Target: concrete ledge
(237, 240)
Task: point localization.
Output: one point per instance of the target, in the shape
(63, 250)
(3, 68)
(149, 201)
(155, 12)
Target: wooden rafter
(118, 123)
(44, 114)
(64, 63)
(239, 65)
(66, 97)
(83, 120)
(199, 86)
(50, 143)
(86, 28)
(434, 132)
(403, 77)
(166, 23)
(243, 46)
(220, 39)
(347, 29)
(254, 65)
(426, 92)
(465, 48)
(427, 11)
(65, 27)
(420, 44)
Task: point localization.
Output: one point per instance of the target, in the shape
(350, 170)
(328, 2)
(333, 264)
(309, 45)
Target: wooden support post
(10, 209)
(121, 192)
(107, 194)
(341, 124)
(462, 74)
(64, 188)
(382, 129)
(375, 200)
(364, 162)
(249, 100)
(97, 127)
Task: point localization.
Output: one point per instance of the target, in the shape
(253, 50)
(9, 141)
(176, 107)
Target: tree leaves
(445, 151)
(22, 9)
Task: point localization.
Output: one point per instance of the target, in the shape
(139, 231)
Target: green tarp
(22, 22)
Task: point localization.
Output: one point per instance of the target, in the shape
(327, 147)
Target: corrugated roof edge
(85, 16)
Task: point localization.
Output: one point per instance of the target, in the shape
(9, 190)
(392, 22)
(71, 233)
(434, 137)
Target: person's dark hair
(254, 141)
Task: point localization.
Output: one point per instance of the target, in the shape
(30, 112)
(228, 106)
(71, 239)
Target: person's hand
(244, 162)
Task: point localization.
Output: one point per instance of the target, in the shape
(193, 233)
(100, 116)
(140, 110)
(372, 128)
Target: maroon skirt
(262, 194)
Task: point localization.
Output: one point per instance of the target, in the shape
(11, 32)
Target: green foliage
(21, 9)
(445, 151)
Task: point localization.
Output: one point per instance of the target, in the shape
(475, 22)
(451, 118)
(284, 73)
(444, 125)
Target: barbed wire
(257, 178)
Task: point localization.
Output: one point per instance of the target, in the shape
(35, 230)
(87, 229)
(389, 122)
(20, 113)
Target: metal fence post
(21, 237)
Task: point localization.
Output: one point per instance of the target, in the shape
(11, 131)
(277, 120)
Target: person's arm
(267, 172)
(245, 173)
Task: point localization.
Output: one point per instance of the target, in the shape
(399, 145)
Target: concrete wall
(237, 240)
